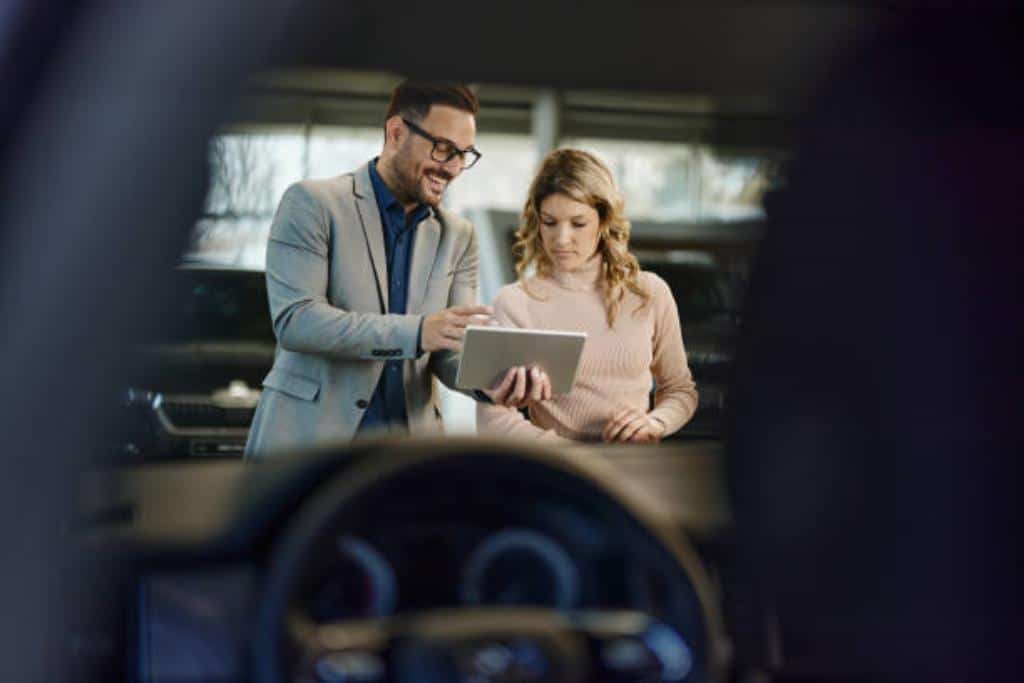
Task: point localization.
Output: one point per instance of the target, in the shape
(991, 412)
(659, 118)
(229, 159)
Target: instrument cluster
(378, 575)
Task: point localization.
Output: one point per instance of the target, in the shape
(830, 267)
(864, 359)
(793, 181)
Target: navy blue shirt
(387, 407)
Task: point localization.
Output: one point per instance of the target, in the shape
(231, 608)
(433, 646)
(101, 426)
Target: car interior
(847, 339)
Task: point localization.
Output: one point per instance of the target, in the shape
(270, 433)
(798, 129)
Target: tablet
(488, 352)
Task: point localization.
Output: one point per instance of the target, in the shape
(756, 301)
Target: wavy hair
(584, 178)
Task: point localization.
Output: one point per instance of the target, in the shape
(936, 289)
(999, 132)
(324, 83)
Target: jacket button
(361, 403)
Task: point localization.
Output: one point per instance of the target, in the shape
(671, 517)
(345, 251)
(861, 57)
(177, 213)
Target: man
(372, 284)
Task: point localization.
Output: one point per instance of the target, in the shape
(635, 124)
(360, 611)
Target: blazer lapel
(373, 230)
(428, 236)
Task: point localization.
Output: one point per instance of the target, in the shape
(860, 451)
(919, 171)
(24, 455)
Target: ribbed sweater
(618, 364)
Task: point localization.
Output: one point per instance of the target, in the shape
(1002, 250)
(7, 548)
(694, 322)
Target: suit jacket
(328, 293)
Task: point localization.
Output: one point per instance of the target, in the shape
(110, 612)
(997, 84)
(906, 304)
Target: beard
(413, 184)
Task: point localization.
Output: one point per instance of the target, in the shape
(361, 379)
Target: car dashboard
(193, 543)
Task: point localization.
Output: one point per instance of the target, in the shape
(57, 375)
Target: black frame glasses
(444, 150)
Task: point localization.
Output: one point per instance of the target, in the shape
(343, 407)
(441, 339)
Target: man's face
(420, 178)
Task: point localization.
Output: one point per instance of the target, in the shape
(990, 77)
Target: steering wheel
(494, 644)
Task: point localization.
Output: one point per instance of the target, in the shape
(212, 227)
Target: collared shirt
(387, 406)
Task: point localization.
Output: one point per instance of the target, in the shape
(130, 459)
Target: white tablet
(488, 352)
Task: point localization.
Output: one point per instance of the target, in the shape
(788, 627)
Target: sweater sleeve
(497, 420)
(675, 398)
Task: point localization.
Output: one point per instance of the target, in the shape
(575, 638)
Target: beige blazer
(327, 287)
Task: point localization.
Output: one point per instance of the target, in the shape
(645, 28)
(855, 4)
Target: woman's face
(569, 230)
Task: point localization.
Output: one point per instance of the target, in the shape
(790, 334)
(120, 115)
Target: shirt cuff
(419, 339)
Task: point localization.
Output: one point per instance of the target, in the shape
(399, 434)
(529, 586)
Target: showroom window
(683, 183)
(501, 178)
(251, 169)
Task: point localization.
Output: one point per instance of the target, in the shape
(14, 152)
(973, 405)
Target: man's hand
(520, 387)
(445, 329)
(633, 425)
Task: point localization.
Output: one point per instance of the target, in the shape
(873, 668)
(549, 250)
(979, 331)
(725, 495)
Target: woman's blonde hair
(584, 178)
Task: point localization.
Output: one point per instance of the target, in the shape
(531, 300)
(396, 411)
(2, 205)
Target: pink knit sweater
(617, 366)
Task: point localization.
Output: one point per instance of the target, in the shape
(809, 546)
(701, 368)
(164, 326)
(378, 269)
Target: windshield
(219, 305)
(695, 211)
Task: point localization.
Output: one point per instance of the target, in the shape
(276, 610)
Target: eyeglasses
(443, 150)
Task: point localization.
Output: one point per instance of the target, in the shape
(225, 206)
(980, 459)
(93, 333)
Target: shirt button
(361, 403)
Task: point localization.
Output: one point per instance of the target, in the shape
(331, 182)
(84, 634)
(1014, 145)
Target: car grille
(196, 413)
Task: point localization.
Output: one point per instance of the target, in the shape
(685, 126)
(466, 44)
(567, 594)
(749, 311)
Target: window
(249, 171)
(337, 149)
(502, 177)
(687, 183)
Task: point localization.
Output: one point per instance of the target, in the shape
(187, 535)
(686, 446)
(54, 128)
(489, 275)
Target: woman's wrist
(658, 424)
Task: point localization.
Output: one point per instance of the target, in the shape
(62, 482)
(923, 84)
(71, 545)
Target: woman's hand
(634, 426)
(520, 387)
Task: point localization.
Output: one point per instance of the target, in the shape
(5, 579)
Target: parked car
(708, 298)
(194, 392)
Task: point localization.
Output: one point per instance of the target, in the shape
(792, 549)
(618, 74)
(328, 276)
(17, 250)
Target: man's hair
(414, 99)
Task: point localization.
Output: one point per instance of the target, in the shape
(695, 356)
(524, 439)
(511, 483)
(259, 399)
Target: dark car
(194, 392)
(708, 298)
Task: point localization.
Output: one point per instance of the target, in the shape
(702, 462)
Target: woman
(575, 238)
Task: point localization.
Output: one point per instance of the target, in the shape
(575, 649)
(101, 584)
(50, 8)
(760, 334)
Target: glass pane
(248, 174)
(732, 188)
(658, 180)
(668, 182)
(334, 150)
(500, 179)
